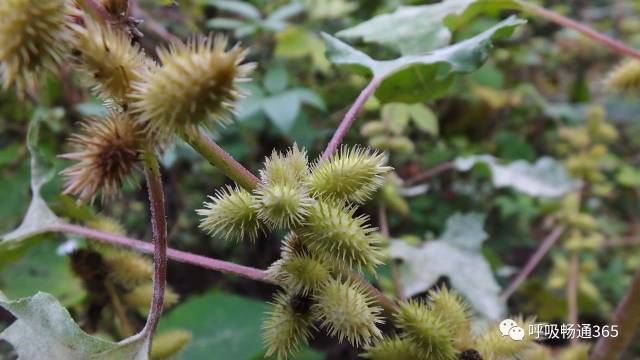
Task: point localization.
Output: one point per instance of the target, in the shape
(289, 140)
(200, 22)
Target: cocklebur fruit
(106, 152)
(625, 76)
(128, 269)
(168, 343)
(109, 61)
(455, 310)
(427, 329)
(34, 36)
(282, 197)
(107, 224)
(300, 273)
(195, 82)
(288, 325)
(492, 345)
(290, 168)
(140, 297)
(345, 310)
(282, 205)
(395, 348)
(578, 351)
(231, 215)
(332, 233)
(350, 174)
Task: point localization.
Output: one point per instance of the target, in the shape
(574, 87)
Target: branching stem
(219, 158)
(350, 117)
(533, 261)
(175, 255)
(564, 21)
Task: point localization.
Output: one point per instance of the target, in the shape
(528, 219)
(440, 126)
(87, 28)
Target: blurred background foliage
(529, 101)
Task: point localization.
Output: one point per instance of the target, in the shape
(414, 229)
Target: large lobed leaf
(414, 78)
(43, 329)
(544, 178)
(421, 28)
(455, 255)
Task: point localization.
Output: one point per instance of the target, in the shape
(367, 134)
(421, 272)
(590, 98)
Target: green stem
(219, 158)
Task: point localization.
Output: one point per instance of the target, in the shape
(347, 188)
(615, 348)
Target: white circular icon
(516, 333)
(506, 325)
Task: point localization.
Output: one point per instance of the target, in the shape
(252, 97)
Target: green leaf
(44, 330)
(222, 324)
(282, 109)
(456, 255)
(286, 11)
(225, 23)
(416, 78)
(424, 119)
(422, 28)
(38, 216)
(309, 97)
(42, 268)
(276, 79)
(241, 8)
(544, 178)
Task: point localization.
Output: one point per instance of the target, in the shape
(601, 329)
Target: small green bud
(351, 174)
(282, 206)
(392, 199)
(625, 77)
(288, 325)
(169, 343)
(427, 329)
(332, 233)
(372, 128)
(128, 269)
(346, 311)
(140, 297)
(401, 145)
(380, 142)
(395, 348)
(231, 214)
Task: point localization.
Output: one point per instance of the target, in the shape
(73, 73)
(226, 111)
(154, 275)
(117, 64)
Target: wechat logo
(511, 329)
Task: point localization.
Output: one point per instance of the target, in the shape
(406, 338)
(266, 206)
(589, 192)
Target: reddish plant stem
(97, 7)
(627, 318)
(175, 255)
(429, 173)
(350, 117)
(160, 240)
(533, 261)
(613, 44)
(152, 25)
